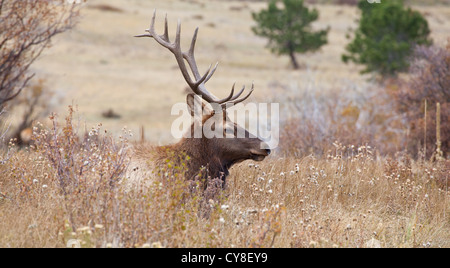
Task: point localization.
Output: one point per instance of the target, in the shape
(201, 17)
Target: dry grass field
(68, 188)
(348, 199)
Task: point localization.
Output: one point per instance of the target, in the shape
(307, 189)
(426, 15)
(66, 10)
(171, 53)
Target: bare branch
(26, 29)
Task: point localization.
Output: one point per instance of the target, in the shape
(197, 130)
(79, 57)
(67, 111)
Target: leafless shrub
(81, 162)
(354, 115)
(390, 117)
(26, 29)
(429, 81)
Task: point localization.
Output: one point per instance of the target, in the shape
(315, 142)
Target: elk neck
(201, 155)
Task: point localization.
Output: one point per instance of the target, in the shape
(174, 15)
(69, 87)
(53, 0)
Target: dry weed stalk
(439, 155)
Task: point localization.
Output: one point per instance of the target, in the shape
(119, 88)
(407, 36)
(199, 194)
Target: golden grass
(348, 199)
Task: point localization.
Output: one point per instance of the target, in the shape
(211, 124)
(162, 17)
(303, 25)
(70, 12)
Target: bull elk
(216, 155)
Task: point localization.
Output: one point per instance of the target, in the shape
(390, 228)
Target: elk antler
(198, 84)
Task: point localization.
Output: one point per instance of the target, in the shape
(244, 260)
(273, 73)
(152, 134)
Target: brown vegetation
(27, 28)
(418, 97)
(50, 196)
(397, 115)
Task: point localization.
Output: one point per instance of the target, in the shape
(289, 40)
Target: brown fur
(203, 157)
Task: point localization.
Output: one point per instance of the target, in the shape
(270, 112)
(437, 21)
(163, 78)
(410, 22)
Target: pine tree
(289, 29)
(386, 37)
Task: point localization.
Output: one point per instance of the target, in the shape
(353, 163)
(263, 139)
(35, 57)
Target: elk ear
(196, 105)
(190, 101)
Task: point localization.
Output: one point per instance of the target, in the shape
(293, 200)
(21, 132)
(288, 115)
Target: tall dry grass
(70, 187)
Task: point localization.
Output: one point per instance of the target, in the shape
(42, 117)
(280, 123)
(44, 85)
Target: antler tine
(163, 40)
(193, 41)
(239, 94)
(152, 25)
(212, 72)
(190, 57)
(199, 87)
(229, 96)
(178, 37)
(203, 78)
(151, 29)
(166, 30)
(234, 101)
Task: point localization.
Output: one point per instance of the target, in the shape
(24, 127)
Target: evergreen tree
(289, 29)
(386, 37)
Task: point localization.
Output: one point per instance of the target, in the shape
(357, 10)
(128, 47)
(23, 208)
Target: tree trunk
(294, 60)
(292, 55)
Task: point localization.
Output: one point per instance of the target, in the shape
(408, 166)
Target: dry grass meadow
(67, 186)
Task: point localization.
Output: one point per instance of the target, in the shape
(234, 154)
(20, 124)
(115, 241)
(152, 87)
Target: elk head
(218, 152)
